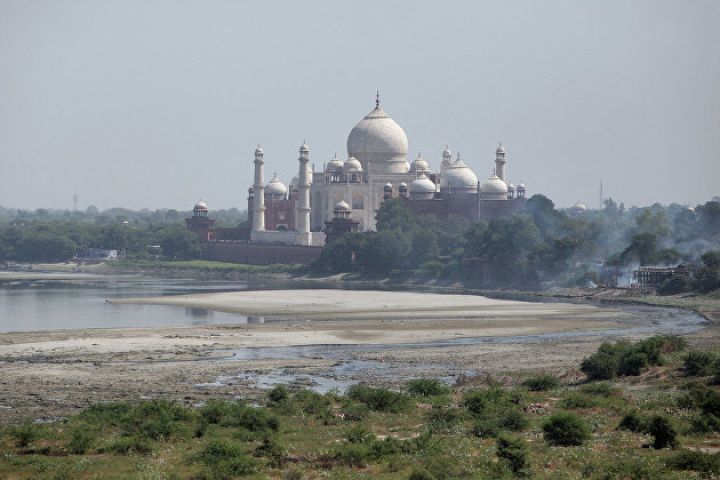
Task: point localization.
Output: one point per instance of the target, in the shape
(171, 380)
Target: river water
(28, 305)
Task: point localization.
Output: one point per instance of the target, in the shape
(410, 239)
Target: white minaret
(500, 162)
(259, 192)
(446, 160)
(302, 215)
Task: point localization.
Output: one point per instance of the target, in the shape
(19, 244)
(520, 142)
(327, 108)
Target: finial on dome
(377, 99)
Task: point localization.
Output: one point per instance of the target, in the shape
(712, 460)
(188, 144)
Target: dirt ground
(55, 373)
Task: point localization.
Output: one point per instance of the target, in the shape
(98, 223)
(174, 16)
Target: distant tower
(601, 196)
(302, 216)
(259, 193)
(75, 199)
(500, 162)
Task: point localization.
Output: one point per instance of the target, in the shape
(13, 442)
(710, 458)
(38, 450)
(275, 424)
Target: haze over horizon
(159, 103)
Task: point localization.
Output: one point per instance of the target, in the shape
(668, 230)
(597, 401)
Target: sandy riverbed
(56, 372)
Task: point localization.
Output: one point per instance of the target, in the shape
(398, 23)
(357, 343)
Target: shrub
(312, 402)
(226, 459)
(253, 420)
(599, 390)
(632, 364)
(577, 400)
(127, 446)
(664, 433)
(703, 397)
(693, 460)
(673, 286)
(379, 399)
(705, 423)
(565, 428)
(479, 401)
(442, 419)
(278, 394)
(600, 366)
(154, 419)
(513, 420)
(541, 383)
(81, 438)
(23, 434)
(427, 387)
(359, 434)
(514, 452)
(420, 474)
(272, 449)
(699, 363)
(634, 422)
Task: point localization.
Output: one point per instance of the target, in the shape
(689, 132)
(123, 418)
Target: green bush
(225, 459)
(81, 439)
(541, 383)
(514, 452)
(705, 423)
(566, 429)
(663, 432)
(359, 434)
(706, 463)
(420, 474)
(443, 419)
(600, 366)
(632, 364)
(699, 363)
(379, 399)
(253, 420)
(479, 401)
(578, 400)
(23, 434)
(128, 446)
(272, 449)
(600, 390)
(703, 397)
(278, 394)
(634, 422)
(427, 387)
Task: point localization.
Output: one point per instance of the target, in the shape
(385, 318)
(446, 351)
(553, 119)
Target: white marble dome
(342, 206)
(378, 140)
(334, 165)
(578, 209)
(459, 176)
(275, 187)
(352, 165)
(419, 165)
(494, 184)
(422, 184)
(200, 206)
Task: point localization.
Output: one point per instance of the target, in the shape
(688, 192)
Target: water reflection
(70, 304)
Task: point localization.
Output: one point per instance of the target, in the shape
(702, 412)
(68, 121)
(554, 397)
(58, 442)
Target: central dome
(379, 143)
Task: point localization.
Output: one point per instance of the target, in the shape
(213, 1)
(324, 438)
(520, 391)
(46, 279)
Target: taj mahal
(346, 194)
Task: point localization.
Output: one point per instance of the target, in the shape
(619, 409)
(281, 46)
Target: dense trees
(540, 245)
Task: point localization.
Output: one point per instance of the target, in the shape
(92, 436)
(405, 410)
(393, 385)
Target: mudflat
(310, 332)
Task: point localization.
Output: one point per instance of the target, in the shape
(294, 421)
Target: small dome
(200, 206)
(352, 164)
(500, 149)
(511, 187)
(259, 150)
(388, 187)
(422, 184)
(403, 187)
(420, 165)
(447, 152)
(334, 165)
(579, 207)
(494, 184)
(276, 187)
(521, 187)
(342, 206)
(459, 176)
(304, 148)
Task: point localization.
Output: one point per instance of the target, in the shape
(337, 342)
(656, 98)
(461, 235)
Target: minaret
(500, 162)
(446, 160)
(302, 216)
(259, 192)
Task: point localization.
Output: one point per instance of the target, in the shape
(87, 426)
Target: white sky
(150, 103)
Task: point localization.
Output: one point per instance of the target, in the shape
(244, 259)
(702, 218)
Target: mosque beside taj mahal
(345, 195)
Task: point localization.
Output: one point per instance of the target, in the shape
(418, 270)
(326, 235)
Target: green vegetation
(541, 383)
(630, 429)
(628, 359)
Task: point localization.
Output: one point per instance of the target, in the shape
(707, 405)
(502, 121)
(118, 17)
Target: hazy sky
(152, 103)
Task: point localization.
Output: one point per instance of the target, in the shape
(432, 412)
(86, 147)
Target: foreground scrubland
(647, 410)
